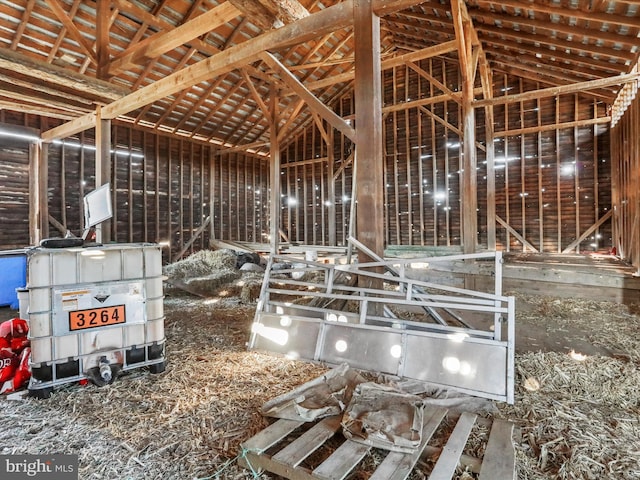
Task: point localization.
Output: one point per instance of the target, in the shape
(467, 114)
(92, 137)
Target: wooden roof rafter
(557, 43)
(60, 13)
(555, 56)
(23, 24)
(591, 35)
(567, 12)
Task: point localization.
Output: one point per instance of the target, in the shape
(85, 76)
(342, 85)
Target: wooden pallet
(275, 450)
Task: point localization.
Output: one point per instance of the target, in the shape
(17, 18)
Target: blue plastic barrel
(13, 275)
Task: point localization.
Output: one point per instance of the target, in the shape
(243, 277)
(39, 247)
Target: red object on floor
(14, 355)
(14, 328)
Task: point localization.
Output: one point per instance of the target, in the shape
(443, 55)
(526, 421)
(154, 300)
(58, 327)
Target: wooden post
(274, 217)
(103, 168)
(463, 27)
(212, 192)
(368, 108)
(38, 202)
(331, 190)
(487, 89)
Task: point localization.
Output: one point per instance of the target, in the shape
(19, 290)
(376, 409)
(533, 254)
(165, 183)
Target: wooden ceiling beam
(59, 12)
(567, 12)
(160, 43)
(423, 17)
(9, 103)
(560, 90)
(229, 93)
(296, 107)
(384, 7)
(257, 14)
(183, 62)
(326, 20)
(287, 11)
(62, 34)
(44, 72)
(42, 92)
(601, 95)
(19, 95)
(310, 99)
(388, 63)
(103, 49)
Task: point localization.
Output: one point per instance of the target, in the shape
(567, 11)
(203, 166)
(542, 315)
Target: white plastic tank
(93, 311)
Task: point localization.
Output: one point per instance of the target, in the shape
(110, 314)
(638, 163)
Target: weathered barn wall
(625, 157)
(552, 169)
(14, 192)
(163, 188)
(241, 197)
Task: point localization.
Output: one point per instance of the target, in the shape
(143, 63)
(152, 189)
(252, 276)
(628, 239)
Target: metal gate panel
(375, 328)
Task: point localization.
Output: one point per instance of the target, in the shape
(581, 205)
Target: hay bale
(202, 264)
(209, 284)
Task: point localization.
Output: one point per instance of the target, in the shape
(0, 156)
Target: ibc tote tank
(92, 312)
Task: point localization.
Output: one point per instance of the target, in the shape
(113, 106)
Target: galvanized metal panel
(463, 364)
(286, 335)
(362, 348)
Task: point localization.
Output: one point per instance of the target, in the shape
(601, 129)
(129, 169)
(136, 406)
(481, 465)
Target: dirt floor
(577, 399)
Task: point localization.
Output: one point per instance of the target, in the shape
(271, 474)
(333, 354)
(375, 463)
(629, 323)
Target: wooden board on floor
(282, 448)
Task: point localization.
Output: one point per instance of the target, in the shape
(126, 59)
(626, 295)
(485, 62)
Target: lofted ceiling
(61, 58)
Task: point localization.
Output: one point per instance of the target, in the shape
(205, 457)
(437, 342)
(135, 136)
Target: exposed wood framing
(72, 29)
(369, 153)
(274, 175)
(193, 239)
(160, 43)
(588, 232)
(625, 157)
(564, 89)
(311, 100)
(58, 76)
(516, 234)
(327, 20)
(463, 28)
(103, 170)
(526, 185)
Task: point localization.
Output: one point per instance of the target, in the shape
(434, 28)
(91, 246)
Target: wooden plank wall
(553, 170)
(625, 156)
(241, 200)
(553, 177)
(306, 177)
(161, 188)
(14, 193)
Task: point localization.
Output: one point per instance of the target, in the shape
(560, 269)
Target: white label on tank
(127, 297)
(70, 305)
(75, 299)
